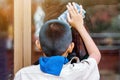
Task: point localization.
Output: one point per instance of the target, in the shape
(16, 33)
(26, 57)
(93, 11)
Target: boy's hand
(75, 18)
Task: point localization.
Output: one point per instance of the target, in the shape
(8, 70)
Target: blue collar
(52, 65)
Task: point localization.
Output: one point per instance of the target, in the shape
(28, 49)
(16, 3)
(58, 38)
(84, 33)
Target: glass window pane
(6, 39)
(102, 22)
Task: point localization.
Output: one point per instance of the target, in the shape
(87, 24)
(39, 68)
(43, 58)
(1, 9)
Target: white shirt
(85, 70)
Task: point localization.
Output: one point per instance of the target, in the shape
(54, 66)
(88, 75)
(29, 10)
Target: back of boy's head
(55, 37)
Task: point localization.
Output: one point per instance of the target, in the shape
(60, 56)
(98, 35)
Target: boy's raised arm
(75, 19)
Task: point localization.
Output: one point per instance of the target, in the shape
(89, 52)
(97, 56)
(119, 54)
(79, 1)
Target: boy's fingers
(71, 8)
(81, 10)
(68, 17)
(75, 8)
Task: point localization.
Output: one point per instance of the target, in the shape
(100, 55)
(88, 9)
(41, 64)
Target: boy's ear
(71, 46)
(38, 44)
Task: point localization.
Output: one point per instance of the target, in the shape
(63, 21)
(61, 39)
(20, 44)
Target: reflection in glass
(105, 24)
(105, 18)
(102, 21)
(6, 39)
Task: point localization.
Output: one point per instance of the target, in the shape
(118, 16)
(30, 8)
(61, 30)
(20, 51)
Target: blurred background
(102, 22)
(6, 39)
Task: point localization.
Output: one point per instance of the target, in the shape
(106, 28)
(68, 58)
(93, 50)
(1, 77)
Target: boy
(55, 40)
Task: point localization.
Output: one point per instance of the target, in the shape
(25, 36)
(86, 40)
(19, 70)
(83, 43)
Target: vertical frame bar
(27, 32)
(18, 35)
(22, 34)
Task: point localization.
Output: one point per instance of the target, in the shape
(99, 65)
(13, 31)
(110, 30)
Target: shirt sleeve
(91, 71)
(87, 69)
(90, 62)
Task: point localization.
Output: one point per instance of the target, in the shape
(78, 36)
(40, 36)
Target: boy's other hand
(74, 18)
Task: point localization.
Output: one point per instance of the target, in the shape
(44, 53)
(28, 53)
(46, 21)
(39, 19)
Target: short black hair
(55, 36)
